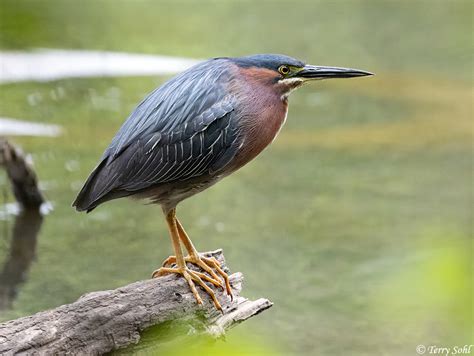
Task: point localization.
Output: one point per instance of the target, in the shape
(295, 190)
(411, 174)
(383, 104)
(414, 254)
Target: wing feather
(203, 149)
(185, 128)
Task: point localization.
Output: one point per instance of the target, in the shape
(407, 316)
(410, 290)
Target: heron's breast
(260, 126)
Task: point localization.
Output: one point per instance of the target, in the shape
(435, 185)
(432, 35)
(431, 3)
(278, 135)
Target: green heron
(191, 132)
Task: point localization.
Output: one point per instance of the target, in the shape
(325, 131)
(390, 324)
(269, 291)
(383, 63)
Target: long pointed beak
(320, 72)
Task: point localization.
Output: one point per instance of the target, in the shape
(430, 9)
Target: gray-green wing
(184, 129)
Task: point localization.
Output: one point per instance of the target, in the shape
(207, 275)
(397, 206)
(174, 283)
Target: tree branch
(104, 321)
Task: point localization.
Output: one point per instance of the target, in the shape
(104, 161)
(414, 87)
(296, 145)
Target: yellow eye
(284, 70)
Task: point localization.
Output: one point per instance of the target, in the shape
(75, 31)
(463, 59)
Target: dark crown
(270, 61)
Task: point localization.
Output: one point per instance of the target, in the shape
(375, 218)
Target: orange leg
(207, 264)
(181, 268)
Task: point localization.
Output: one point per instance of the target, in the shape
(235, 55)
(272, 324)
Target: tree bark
(21, 175)
(104, 321)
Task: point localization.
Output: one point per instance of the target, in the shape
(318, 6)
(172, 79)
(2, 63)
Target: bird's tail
(93, 191)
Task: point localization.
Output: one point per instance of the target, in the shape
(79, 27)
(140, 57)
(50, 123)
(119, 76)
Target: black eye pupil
(284, 70)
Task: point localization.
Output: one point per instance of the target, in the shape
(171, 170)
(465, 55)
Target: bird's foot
(191, 277)
(209, 265)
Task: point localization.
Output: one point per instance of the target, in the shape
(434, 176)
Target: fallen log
(105, 321)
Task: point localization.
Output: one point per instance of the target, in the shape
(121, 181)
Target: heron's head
(286, 74)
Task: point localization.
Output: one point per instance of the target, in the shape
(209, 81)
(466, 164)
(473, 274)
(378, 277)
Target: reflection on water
(15, 127)
(55, 64)
(28, 220)
(22, 252)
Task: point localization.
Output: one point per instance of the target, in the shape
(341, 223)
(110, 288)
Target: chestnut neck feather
(263, 110)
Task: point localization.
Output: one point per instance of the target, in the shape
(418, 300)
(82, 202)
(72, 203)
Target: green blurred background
(356, 222)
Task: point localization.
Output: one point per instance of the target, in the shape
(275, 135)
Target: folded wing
(182, 130)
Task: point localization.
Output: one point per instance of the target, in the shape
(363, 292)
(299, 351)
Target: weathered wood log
(104, 321)
(21, 175)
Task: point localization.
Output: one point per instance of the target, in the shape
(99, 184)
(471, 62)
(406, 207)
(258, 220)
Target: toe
(205, 277)
(188, 276)
(211, 272)
(211, 261)
(209, 291)
(170, 260)
(216, 265)
(162, 271)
